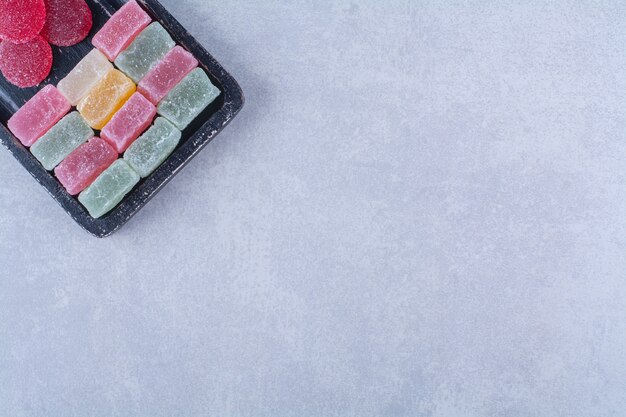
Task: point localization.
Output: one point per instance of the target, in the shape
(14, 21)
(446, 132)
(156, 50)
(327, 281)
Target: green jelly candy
(145, 52)
(187, 100)
(68, 134)
(109, 189)
(153, 147)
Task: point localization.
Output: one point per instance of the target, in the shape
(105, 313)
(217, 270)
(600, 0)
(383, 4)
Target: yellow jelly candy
(106, 98)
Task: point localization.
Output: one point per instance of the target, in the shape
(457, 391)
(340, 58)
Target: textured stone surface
(148, 48)
(187, 100)
(38, 115)
(109, 188)
(419, 212)
(106, 98)
(153, 147)
(61, 140)
(121, 29)
(84, 76)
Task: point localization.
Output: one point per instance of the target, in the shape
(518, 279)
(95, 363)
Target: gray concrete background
(419, 212)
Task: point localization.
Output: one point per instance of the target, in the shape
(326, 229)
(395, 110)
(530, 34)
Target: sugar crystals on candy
(146, 50)
(187, 100)
(106, 98)
(84, 165)
(26, 64)
(174, 66)
(109, 188)
(153, 147)
(129, 122)
(120, 30)
(61, 140)
(38, 115)
(67, 22)
(84, 76)
(21, 20)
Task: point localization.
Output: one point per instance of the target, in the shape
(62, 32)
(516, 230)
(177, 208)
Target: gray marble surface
(419, 212)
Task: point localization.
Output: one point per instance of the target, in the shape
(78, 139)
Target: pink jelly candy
(67, 22)
(21, 20)
(26, 64)
(129, 122)
(38, 115)
(121, 29)
(174, 66)
(83, 166)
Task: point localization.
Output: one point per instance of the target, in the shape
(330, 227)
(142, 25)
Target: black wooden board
(199, 133)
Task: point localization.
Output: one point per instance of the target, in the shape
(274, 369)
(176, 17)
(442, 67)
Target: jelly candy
(21, 20)
(187, 100)
(67, 135)
(166, 74)
(129, 122)
(26, 64)
(109, 188)
(153, 147)
(38, 115)
(121, 29)
(146, 50)
(83, 166)
(67, 22)
(106, 98)
(84, 76)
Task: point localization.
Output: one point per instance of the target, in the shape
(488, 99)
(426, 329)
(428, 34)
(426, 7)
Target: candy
(146, 50)
(109, 188)
(21, 20)
(187, 100)
(67, 135)
(105, 98)
(129, 122)
(67, 22)
(84, 165)
(38, 115)
(176, 64)
(120, 30)
(84, 76)
(26, 64)
(153, 147)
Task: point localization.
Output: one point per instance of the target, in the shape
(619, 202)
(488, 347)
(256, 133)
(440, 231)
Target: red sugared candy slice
(21, 20)
(26, 64)
(67, 23)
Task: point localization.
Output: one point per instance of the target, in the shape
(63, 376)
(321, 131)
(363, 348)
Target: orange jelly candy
(106, 98)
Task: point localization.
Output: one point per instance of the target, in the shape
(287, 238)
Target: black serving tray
(199, 133)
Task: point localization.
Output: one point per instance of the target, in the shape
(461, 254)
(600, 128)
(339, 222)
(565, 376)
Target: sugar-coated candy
(153, 147)
(67, 22)
(106, 98)
(109, 188)
(21, 20)
(26, 64)
(67, 135)
(38, 115)
(121, 29)
(84, 164)
(146, 50)
(84, 76)
(174, 66)
(129, 122)
(187, 100)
